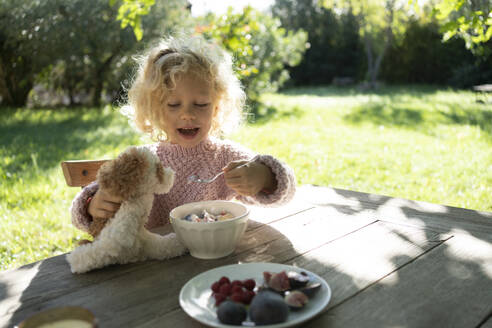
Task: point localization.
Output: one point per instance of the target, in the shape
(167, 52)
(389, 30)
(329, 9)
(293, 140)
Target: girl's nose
(187, 113)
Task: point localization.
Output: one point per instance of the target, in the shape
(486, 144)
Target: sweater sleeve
(286, 184)
(80, 218)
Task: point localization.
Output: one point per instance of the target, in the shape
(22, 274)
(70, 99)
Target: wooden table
(389, 262)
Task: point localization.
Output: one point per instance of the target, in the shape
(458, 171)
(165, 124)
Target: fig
(310, 289)
(277, 281)
(296, 299)
(297, 280)
(268, 308)
(231, 313)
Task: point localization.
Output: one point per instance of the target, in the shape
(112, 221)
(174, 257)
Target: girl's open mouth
(188, 132)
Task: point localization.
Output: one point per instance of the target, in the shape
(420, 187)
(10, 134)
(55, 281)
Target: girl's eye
(173, 105)
(202, 105)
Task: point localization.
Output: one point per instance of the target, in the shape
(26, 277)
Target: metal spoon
(196, 178)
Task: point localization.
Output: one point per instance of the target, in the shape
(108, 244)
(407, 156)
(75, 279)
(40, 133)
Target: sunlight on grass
(416, 143)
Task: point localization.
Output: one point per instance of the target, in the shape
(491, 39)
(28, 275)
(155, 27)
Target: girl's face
(188, 111)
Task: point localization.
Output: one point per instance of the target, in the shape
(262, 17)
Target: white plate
(196, 296)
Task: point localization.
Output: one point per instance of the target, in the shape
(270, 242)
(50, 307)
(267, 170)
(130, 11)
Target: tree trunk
(374, 64)
(15, 93)
(370, 74)
(100, 72)
(15, 83)
(5, 95)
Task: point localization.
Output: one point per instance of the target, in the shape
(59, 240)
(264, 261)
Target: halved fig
(297, 280)
(310, 289)
(277, 281)
(296, 299)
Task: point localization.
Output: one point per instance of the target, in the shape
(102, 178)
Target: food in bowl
(213, 239)
(205, 216)
(61, 317)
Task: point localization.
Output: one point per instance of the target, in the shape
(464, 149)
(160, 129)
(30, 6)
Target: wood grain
(448, 286)
(80, 173)
(389, 262)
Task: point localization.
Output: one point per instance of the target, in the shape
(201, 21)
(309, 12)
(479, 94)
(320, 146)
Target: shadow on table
(417, 290)
(427, 215)
(138, 294)
(358, 293)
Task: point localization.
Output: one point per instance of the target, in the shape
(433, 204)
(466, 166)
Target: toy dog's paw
(78, 260)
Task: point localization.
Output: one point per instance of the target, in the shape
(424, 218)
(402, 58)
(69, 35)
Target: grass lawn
(419, 143)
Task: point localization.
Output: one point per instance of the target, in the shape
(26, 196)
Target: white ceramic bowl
(210, 240)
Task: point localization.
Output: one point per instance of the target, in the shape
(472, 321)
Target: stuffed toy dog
(135, 175)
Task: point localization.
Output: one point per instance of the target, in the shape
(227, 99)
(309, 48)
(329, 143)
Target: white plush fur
(124, 238)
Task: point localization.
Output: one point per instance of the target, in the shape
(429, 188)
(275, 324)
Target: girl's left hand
(249, 178)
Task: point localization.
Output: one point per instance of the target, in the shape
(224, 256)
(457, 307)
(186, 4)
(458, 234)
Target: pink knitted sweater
(206, 159)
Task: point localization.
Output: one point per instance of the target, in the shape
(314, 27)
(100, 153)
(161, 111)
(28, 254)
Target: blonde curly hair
(156, 76)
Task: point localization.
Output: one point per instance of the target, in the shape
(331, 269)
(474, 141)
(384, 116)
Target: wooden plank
(450, 286)
(175, 318)
(349, 264)
(398, 210)
(81, 173)
(56, 269)
(358, 260)
(155, 284)
(488, 323)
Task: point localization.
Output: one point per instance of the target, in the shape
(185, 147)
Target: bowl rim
(181, 221)
(58, 313)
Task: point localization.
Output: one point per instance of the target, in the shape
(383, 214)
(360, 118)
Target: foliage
(412, 142)
(471, 20)
(26, 45)
(334, 44)
(130, 13)
(379, 23)
(75, 46)
(262, 49)
(422, 57)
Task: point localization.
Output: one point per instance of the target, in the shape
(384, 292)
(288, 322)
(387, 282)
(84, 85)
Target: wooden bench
(481, 91)
(81, 173)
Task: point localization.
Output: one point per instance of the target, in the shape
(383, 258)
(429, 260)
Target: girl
(186, 95)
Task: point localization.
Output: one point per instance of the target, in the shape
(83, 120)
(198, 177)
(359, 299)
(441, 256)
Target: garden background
(367, 95)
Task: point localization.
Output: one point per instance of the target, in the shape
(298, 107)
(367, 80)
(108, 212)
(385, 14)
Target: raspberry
(238, 297)
(248, 296)
(237, 283)
(224, 280)
(236, 289)
(219, 298)
(225, 289)
(215, 287)
(249, 284)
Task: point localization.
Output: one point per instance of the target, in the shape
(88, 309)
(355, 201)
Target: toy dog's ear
(121, 176)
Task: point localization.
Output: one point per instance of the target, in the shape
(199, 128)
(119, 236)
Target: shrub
(262, 49)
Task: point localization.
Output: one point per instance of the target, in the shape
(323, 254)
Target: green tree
(26, 46)
(470, 20)
(262, 49)
(130, 13)
(379, 23)
(334, 43)
(103, 47)
(422, 57)
(75, 45)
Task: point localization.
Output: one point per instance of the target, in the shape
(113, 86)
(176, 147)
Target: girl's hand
(249, 178)
(103, 205)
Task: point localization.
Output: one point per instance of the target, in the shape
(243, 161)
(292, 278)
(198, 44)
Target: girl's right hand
(103, 205)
